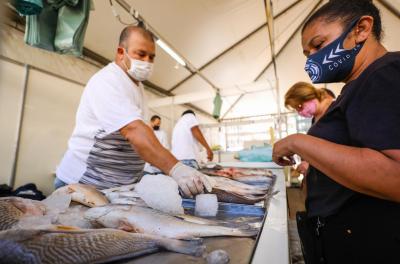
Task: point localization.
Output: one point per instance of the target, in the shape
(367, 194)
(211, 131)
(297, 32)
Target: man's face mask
(139, 70)
(156, 128)
(333, 63)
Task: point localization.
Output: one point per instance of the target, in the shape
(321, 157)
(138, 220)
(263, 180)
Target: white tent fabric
(204, 30)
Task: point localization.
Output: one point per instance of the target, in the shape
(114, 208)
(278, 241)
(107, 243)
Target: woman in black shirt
(353, 185)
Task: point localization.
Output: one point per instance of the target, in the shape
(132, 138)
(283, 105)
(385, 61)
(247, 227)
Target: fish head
(87, 195)
(28, 206)
(112, 216)
(96, 213)
(211, 180)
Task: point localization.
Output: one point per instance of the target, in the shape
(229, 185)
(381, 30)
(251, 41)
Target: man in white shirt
(110, 142)
(185, 137)
(155, 124)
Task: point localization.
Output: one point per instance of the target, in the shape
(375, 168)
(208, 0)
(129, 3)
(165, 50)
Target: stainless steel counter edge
(273, 243)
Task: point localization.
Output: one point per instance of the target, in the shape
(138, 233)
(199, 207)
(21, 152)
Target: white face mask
(140, 70)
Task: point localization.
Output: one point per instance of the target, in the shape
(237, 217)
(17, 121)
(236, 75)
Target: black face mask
(333, 63)
(156, 127)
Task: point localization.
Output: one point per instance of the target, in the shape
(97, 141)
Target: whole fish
(84, 246)
(13, 209)
(149, 221)
(230, 197)
(236, 187)
(231, 191)
(122, 188)
(260, 177)
(84, 194)
(237, 173)
(74, 216)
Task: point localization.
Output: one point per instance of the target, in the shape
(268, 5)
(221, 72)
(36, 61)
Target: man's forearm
(361, 169)
(147, 146)
(199, 137)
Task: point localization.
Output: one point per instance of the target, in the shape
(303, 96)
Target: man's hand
(210, 155)
(282, 153)
(190, 181)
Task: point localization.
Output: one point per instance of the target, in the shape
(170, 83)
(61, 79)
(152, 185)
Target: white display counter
(273, 242)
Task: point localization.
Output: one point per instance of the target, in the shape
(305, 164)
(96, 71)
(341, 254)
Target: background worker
(185, 138)
(155, 124)
(309, 102)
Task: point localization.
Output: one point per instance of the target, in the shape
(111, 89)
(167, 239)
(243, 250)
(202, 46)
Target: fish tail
(188, 247)
(242, 232)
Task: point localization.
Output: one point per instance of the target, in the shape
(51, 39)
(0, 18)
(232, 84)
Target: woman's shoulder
(387, 63)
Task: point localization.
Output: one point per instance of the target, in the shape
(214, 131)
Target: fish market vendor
(110, 142)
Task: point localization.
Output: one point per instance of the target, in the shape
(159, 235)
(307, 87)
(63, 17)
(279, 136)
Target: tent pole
(189, 66)
(270, 27)
(19, 128)
(390, 7)
(287, 42)
(232, 106)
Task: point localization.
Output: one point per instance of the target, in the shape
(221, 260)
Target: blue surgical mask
(333, 63)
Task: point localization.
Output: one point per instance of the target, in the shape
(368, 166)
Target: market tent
(227, 41)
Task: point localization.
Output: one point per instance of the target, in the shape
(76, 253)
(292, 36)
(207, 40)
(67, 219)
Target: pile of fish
(249, 176)
(78, 224)
(239, 185)
(231, 191)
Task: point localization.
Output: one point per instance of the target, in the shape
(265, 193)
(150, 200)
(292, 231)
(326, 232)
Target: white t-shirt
(162, 137)
(184, 145)
(97, 153)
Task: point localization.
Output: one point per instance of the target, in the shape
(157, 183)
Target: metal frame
(285, 45)
(289, 39)
(189, 66)
(232, 106)
(19, 128)
(234, 46)
(390, 7)
(90, 57)
(31, 67)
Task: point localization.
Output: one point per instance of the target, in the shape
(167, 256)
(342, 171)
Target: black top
(367, 115)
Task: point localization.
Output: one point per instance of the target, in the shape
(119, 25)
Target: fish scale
(84, 246)
(9, 215)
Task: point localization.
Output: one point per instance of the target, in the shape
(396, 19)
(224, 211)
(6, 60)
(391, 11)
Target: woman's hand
(303, 167)
(282, 153)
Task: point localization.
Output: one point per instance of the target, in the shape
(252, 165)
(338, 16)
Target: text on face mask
(336, 64)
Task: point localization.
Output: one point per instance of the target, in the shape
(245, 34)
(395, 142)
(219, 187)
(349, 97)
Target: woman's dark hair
(188, 112)
(347, 11)
(154, 117)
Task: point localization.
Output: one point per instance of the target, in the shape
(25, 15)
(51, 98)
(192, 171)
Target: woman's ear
(364, 28)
